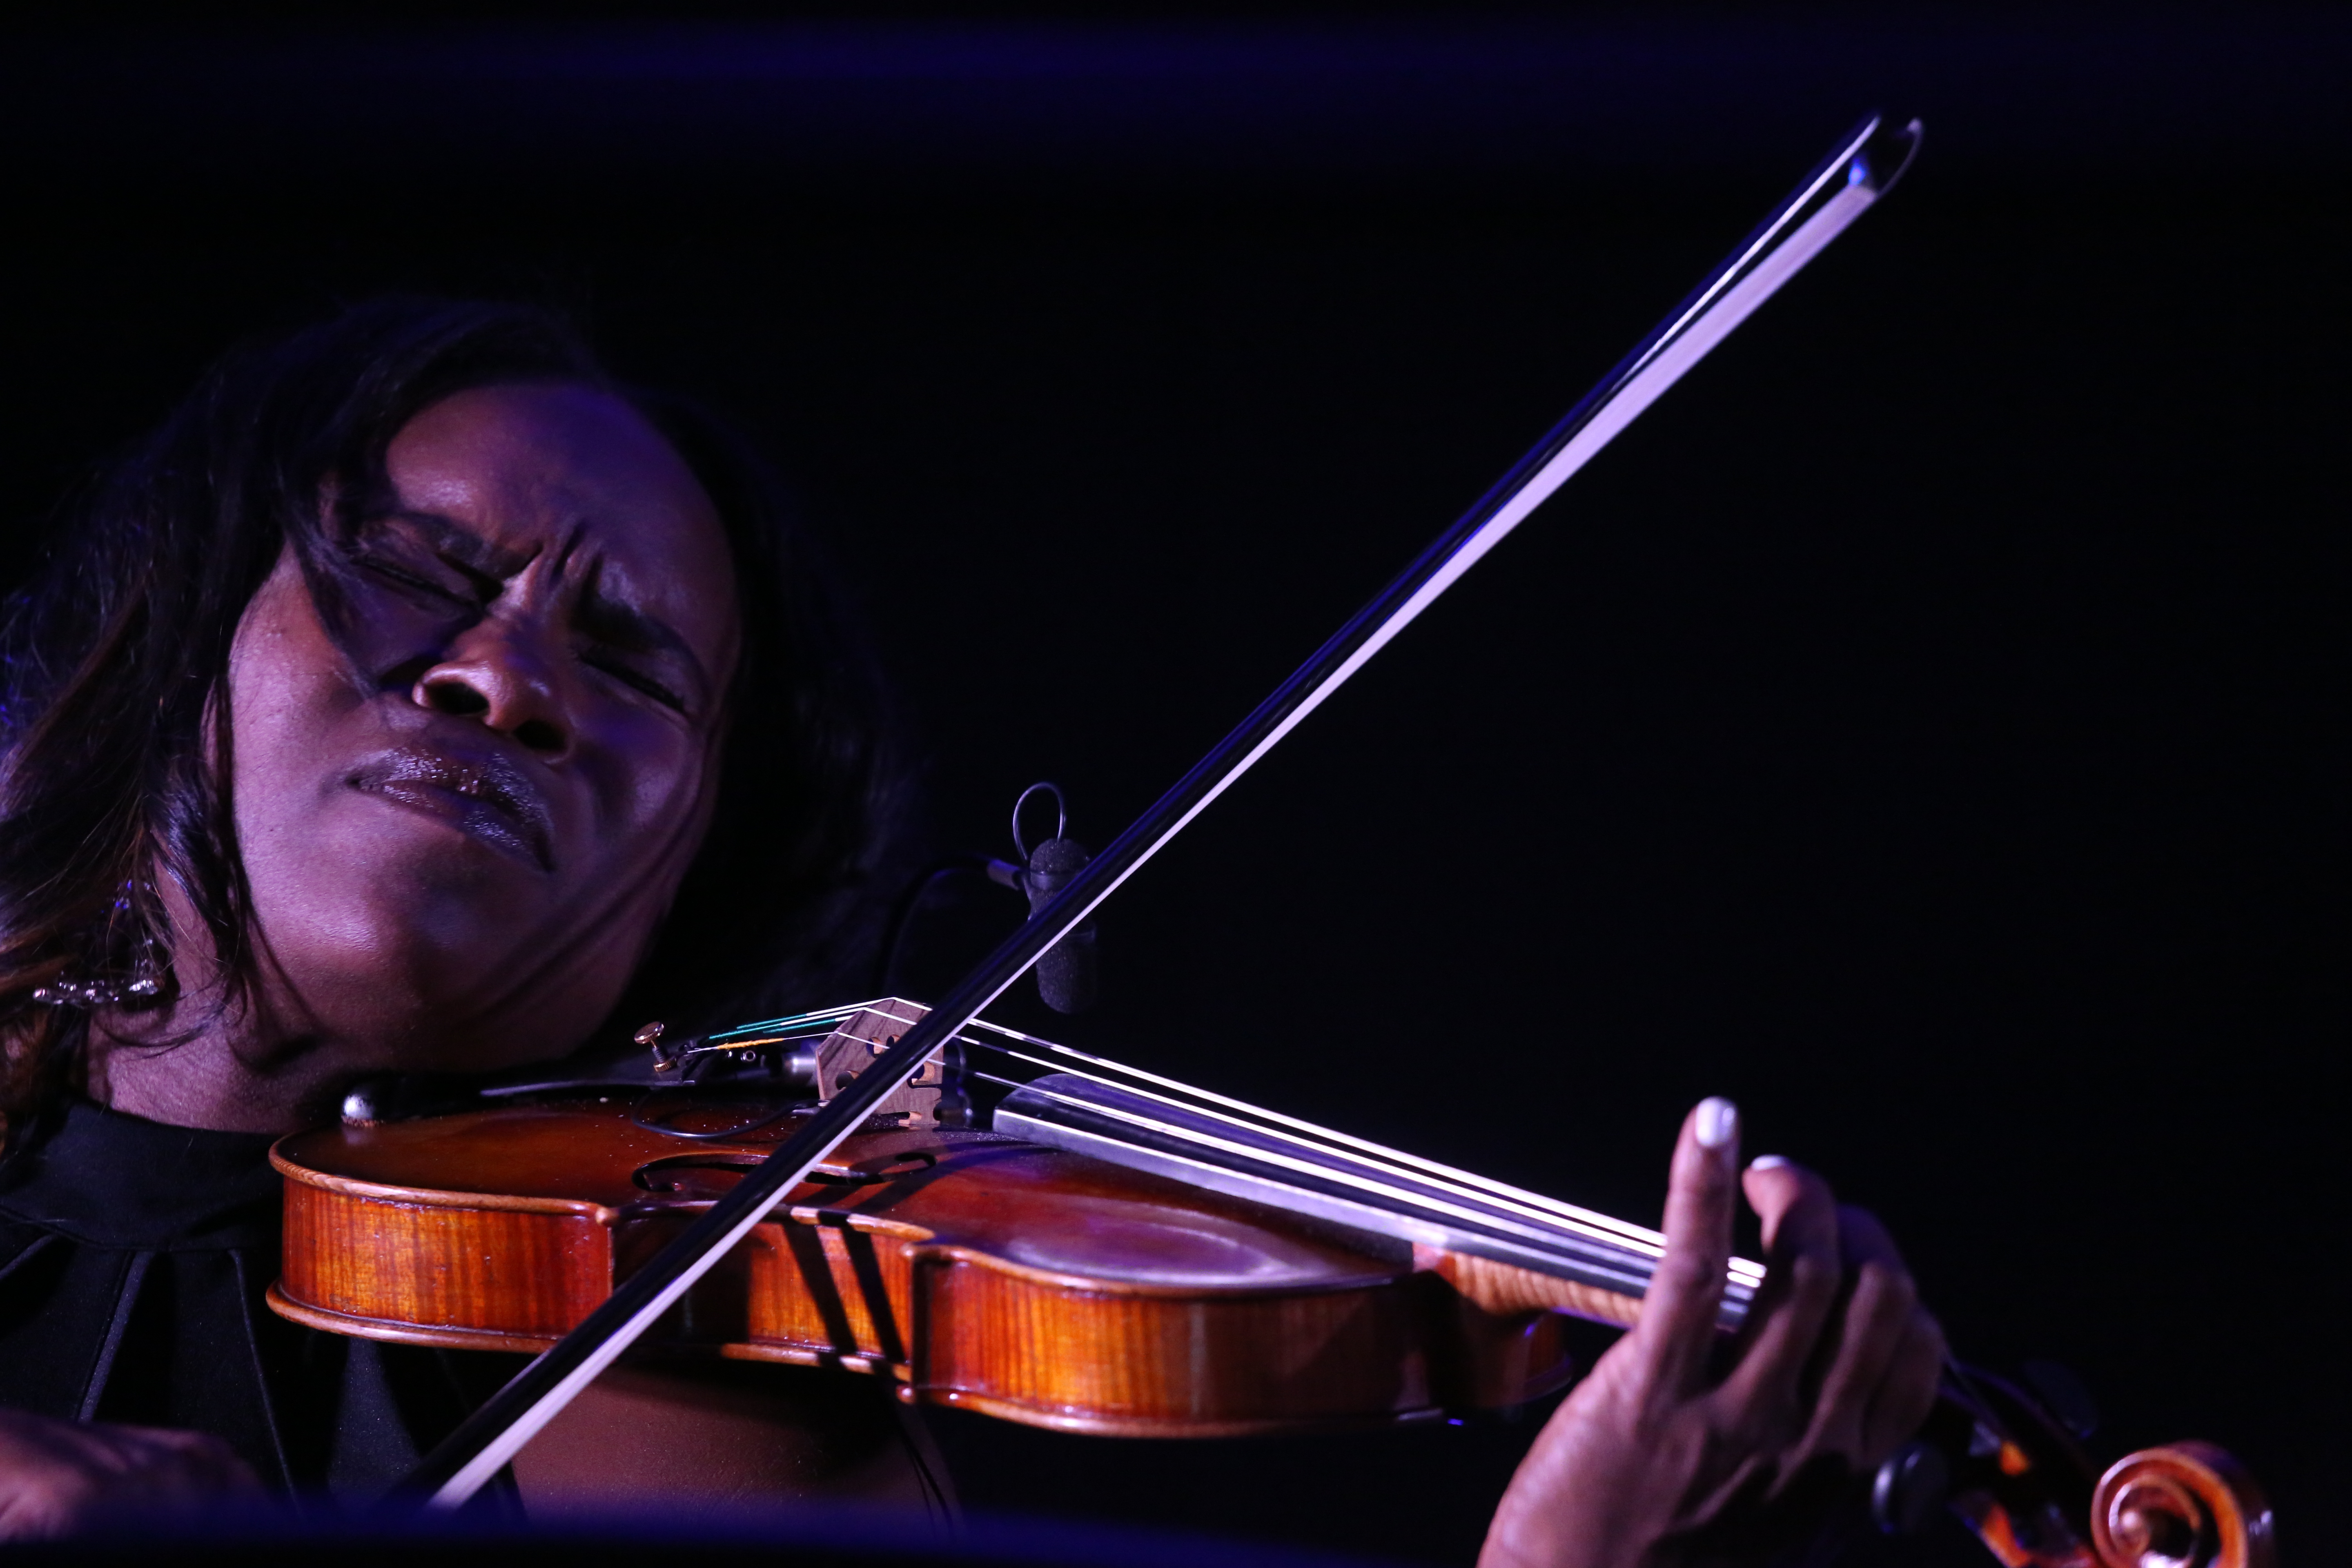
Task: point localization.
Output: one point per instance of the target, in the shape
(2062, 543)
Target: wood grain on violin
(1030, 1283)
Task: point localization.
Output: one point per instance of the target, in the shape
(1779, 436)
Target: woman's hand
(59, 1477)
(1837, 1363)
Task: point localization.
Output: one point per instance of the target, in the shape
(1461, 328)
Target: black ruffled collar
(112, 1180)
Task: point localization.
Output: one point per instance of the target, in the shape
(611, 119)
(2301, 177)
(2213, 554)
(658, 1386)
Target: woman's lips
(486, 797)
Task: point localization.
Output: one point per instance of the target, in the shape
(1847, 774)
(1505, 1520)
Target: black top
(133, 1259)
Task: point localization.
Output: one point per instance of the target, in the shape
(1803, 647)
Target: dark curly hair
(113, 752)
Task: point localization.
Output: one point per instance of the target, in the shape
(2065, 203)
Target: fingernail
(1719, 1122)
(1768, 1162)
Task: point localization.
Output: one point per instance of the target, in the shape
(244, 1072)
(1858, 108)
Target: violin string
(1638, 1266)
(1582, 1223)
(1633, 1234)
(1585, 1225)
(1394, 1199)
(823, 1015)
(1323, 1164)
(729, 1037)
(1623, 1273)
(1278, 1125)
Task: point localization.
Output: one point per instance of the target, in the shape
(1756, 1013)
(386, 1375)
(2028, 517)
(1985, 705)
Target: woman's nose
(495, 676)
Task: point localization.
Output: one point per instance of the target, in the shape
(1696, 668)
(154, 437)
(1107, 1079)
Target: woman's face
(462, 817)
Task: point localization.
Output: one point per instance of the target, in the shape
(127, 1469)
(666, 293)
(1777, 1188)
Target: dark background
(1926, 726)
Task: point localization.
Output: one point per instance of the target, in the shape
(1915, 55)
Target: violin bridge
(925, 1101)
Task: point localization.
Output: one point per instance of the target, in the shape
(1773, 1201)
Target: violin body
(974, 1269)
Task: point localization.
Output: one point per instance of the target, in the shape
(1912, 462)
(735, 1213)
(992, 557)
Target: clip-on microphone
(1065, 975)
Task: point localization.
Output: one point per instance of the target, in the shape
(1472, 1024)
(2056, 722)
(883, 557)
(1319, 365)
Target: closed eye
(417, 581)
(628, 675)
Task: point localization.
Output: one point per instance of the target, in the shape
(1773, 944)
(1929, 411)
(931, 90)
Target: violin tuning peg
(2064, 1397)
(1910, 1488)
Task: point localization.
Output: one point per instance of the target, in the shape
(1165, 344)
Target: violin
(992, 1221)
(1037, 1234)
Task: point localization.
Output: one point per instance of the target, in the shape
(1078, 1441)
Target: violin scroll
(2188, 1505)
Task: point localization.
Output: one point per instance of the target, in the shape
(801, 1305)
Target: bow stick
(1862, 168)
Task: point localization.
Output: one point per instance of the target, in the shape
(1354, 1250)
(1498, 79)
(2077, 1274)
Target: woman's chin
(464, 1005)
(455, 963)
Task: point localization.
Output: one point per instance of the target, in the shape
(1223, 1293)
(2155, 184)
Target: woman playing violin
(419, 699)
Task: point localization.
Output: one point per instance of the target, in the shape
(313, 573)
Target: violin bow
(1864, 165)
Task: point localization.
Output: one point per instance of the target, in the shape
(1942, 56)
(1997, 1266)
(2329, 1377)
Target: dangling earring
(72, 993)
(145, 981)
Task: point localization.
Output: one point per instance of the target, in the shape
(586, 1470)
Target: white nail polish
(1766, 1162)
(1719, 1122)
